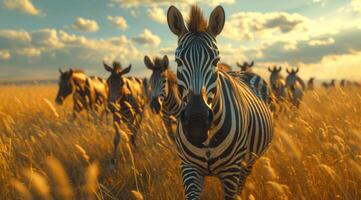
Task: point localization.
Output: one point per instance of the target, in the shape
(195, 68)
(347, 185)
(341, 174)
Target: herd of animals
(223, 119)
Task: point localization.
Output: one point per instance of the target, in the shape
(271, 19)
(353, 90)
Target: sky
(321, 37)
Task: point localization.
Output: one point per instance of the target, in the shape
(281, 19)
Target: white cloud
(321, 2)
(356, 6)
(157, 14)
(352, 7)
(335, 66)
(119, 22)
(46, 38)
(251, 25)
(147, 38)
(320, 42)
(86, 25)
(137, 3)
(25, 6)
(5, 55)
(15, 35)
(29, 52)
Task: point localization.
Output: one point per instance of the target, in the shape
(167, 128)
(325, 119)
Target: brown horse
(89, 93)
(126, 101)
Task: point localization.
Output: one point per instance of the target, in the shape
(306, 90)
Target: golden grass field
(44, 154)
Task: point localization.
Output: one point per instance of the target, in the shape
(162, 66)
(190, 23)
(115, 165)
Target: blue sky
(37, 37)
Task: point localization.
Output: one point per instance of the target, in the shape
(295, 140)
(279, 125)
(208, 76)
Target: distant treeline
(28, 82)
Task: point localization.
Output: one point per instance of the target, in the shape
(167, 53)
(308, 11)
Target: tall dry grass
(45, 154)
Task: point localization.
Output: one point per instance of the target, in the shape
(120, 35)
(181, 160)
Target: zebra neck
(172, 103)
(217, 108)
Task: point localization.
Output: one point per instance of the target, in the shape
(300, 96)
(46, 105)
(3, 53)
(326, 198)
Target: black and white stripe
(164, 96)
(241, 127)
(257, 84)
(295, 87)
(126, 101)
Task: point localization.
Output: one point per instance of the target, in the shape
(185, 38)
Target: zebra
(126, 102)
(89, 93)
(257, 84)
(164, 96)
(245, 67)
(311, 84)
(223, 127)
(295, 87)
(278, 83)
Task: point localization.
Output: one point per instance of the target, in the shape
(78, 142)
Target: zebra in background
(245, 67)
(223, 127)
(311, 84)
(278, 83)
(295, 87)
(89, 93)
(164, 96)
(257, 84)
(126, 102)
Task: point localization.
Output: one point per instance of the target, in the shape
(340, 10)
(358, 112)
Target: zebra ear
(288, 71)
(297, 69)
(148, 63)
(238, 65)
(176, 21)
(107, 67)
(61, 72)
(269, 69)
(126, 70)
(252, 63)
(216, 21)
(165, 62)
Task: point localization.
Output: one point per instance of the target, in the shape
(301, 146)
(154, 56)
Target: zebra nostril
(210, 116)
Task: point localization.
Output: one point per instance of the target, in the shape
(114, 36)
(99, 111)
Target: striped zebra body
(171, 108)
(295, 87)
(257, 84)
(229, 157)
(278, 84)
(164, 96)
(89, 93)
(223, 126)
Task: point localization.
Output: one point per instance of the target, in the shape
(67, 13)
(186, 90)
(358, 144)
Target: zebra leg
(192, 181)
(230, 181)
(116, 143)
(245, 171)
(76, 110)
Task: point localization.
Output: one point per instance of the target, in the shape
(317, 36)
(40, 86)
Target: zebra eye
(215, 62)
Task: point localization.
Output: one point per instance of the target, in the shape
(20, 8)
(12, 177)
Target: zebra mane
(66, 74)
(117, 65)
(158, 62)
(197, 23)
(171, 76)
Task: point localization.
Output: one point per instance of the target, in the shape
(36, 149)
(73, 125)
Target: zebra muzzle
(196, 119)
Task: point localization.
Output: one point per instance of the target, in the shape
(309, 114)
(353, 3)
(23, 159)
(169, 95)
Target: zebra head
(197, 56)
(158, 81)
(291, 79)
(115, 82)
(275, 74)
(246, 67)
(66, 86)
